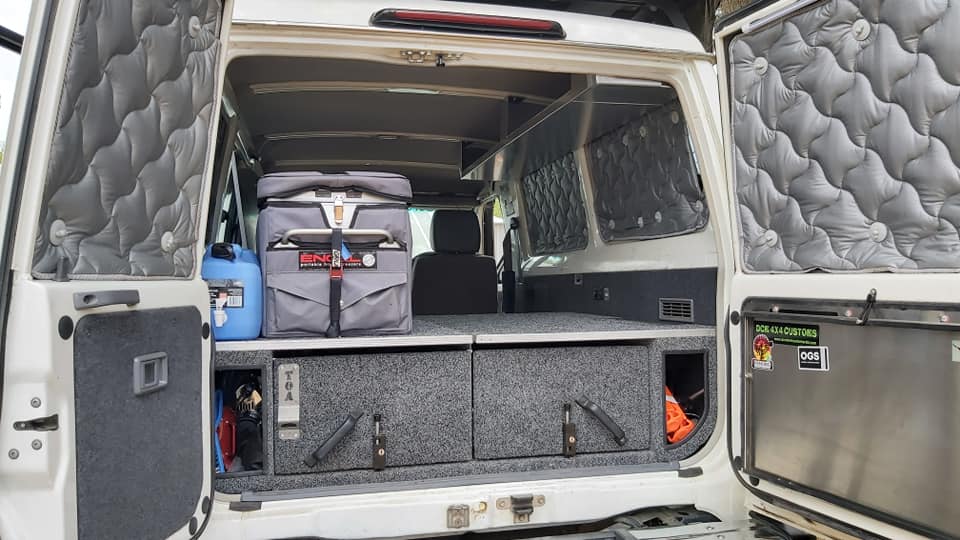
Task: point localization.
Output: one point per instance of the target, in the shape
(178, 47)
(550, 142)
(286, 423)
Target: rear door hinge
(521, 505)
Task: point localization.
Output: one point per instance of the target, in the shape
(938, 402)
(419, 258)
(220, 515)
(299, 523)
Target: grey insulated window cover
(846, 123)
(122, 187)
(556, 218)
(645, 182)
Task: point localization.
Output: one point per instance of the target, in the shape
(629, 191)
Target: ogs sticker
(813, 358)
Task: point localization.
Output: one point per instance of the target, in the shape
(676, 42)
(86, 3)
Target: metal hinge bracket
(521, 505)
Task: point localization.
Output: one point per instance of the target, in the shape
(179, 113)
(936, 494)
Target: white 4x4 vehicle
(771, 232)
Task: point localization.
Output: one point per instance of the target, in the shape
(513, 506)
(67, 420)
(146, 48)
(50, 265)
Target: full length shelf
(460, 331)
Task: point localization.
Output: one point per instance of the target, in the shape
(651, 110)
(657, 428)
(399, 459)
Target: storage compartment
(421, 398)
(521, 395)
(238, 421)
(685, 379)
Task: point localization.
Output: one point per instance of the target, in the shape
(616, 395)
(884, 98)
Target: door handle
(94, 299)
(618, 435)
(285, 239)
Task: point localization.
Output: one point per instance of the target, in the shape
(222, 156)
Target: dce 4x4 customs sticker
(806, 337)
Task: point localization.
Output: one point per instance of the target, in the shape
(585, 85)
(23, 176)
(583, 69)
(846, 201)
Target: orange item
(678, 425)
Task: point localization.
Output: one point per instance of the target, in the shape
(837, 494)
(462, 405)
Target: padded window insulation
(846, 142)
(122, 188)
(556, 218)
(645, 181)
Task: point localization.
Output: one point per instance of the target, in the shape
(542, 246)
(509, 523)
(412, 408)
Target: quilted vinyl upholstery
(556, 218)
(645, 182)
(846, 124)
(122, 188)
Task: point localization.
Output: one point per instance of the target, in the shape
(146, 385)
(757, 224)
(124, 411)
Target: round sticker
(762, 352)
(369, 260)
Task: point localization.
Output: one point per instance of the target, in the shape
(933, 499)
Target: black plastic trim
(245, 506)
(65, 327)
(11, 40)
(95, 299)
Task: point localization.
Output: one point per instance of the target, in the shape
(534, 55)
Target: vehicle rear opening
(563, 278)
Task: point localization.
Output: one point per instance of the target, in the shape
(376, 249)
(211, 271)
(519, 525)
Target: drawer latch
(379, 445)
(569, 433)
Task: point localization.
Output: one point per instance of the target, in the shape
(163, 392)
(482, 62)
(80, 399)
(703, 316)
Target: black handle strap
(348, 425)
(508, 278)
(618, 435)
(336, 281)
(223, 250)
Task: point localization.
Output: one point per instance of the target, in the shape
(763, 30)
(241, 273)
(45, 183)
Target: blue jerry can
(236, 291)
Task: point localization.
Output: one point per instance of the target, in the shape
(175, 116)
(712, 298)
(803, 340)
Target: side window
(553, 201)
(645, 179)
(421, 220)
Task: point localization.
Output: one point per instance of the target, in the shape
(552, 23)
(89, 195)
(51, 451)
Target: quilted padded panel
(556, 218)
(122, 188)
(645, 182)
(845, 123)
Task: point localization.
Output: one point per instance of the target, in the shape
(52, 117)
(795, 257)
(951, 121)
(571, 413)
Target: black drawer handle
(348, 425)
(618, 435)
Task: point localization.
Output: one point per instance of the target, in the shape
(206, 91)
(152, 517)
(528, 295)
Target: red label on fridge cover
(321, 260)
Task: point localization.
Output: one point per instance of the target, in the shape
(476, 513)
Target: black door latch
(867, 308)
(46, 423)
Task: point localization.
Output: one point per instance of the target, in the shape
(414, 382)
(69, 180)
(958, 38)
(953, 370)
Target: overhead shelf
(593, 107)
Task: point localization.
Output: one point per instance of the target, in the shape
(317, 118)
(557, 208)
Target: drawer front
(519, 396)
(422, 397)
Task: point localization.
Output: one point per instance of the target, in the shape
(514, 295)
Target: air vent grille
(676, 309)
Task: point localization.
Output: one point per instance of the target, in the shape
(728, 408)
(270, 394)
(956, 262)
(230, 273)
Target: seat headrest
(455, 231)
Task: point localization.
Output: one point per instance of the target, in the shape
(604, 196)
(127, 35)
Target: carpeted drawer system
(520, 393)
(419, 396)
(488, 412)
